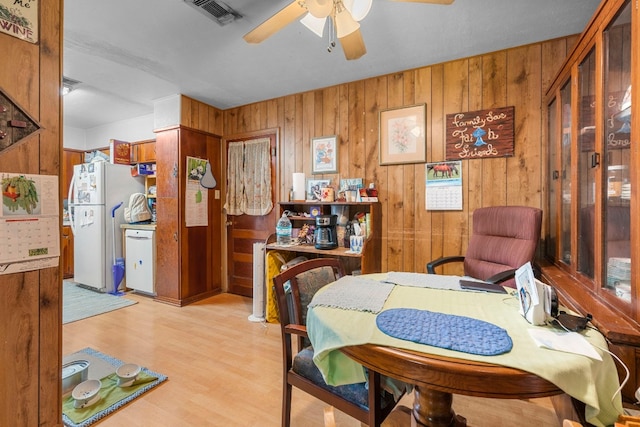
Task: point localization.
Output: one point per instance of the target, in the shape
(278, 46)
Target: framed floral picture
(402, 135)
(324, 154)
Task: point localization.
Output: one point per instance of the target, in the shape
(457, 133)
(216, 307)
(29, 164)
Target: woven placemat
(346, 293)
(450, 331)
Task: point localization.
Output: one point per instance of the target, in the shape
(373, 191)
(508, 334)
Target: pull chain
(332, 32)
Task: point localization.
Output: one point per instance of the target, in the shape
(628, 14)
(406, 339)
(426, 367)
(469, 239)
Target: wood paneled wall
(200, 116)
(30, 303)
(411, 235)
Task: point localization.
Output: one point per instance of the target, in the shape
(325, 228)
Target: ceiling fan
(343, 16)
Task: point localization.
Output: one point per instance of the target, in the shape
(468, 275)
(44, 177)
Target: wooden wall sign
(19, 18)
(480, 134)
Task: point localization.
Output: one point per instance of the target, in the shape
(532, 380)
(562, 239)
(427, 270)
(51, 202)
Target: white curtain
(249, 177)
(257, 177)
(235, 187)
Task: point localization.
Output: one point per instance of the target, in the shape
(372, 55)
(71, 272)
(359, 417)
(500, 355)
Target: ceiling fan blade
(353, 45)
(426, 1)
(277, 22)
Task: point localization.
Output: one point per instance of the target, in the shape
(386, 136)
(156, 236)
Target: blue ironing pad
(448, 331)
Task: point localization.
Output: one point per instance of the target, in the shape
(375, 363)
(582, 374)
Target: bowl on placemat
(86, 393)
(127, 374)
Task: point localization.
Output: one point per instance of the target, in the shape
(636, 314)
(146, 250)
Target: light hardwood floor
(226, 371)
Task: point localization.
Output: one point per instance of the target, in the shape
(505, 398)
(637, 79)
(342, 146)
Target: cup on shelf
(356, 243)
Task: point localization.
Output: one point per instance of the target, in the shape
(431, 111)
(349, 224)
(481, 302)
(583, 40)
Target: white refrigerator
(95, 190)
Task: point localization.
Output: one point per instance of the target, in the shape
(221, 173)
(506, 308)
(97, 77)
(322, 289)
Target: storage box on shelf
(368, 261)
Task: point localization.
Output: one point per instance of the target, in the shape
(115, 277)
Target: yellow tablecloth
(590, 381)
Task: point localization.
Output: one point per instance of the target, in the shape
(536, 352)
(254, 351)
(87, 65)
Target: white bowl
(127, 374)
(86, 393)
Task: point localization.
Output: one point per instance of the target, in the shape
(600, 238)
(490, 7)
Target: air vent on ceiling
(216, 10)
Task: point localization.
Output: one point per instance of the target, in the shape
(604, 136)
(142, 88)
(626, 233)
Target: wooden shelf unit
(150, 181)
(369, 261)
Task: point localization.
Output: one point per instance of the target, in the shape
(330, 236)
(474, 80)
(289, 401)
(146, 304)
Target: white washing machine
(140, 260)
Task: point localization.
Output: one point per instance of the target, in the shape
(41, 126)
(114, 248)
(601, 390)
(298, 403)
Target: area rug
(80, 303)
(112, 397)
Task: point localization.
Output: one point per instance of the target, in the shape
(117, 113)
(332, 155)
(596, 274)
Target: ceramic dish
(86, 393)
(127, 374)
(73, 373)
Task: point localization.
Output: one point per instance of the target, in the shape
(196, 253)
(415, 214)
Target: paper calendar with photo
(443, 186)
(29, 222)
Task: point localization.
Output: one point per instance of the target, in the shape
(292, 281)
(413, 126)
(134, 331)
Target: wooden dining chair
(294, 289)
(504, 238)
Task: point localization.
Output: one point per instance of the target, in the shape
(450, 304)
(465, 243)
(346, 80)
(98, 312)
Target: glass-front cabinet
(592, 246)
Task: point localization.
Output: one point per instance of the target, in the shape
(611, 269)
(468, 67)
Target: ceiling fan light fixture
(358, 8)
(314, 24)
(319, 8)
(345, 24)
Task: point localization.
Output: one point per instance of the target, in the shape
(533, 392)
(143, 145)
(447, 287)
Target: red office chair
(504, 238)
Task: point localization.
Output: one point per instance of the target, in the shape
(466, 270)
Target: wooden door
(245, 230)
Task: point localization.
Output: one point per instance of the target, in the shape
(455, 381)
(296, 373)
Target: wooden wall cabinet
(592, 246)
(66, 254)
(189, 259)
(369, 261)
(144, 152)
(70, 158)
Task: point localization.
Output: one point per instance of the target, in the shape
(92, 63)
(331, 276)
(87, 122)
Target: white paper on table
(569, 342)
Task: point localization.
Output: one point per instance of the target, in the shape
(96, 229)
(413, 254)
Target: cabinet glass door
(587, 163)
(617, 144)
(565, 174)
(552, 234)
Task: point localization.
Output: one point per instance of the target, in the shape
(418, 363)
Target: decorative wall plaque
(15, 124)
(19, 18)
(480, 134)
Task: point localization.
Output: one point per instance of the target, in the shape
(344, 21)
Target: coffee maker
(326, 236)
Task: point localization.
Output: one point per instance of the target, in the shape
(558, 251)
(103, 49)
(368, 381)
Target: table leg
(432, 408)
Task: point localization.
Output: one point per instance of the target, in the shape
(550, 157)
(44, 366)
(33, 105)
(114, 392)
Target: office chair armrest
(296, 330)
(501, 277)
(510, 274)
(443, 260)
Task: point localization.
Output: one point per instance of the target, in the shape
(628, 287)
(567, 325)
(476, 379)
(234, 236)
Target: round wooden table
(437, 378)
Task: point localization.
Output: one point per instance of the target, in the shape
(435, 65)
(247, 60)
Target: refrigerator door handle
(70, 204)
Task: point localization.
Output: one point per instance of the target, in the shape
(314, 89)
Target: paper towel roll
(298, 186)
